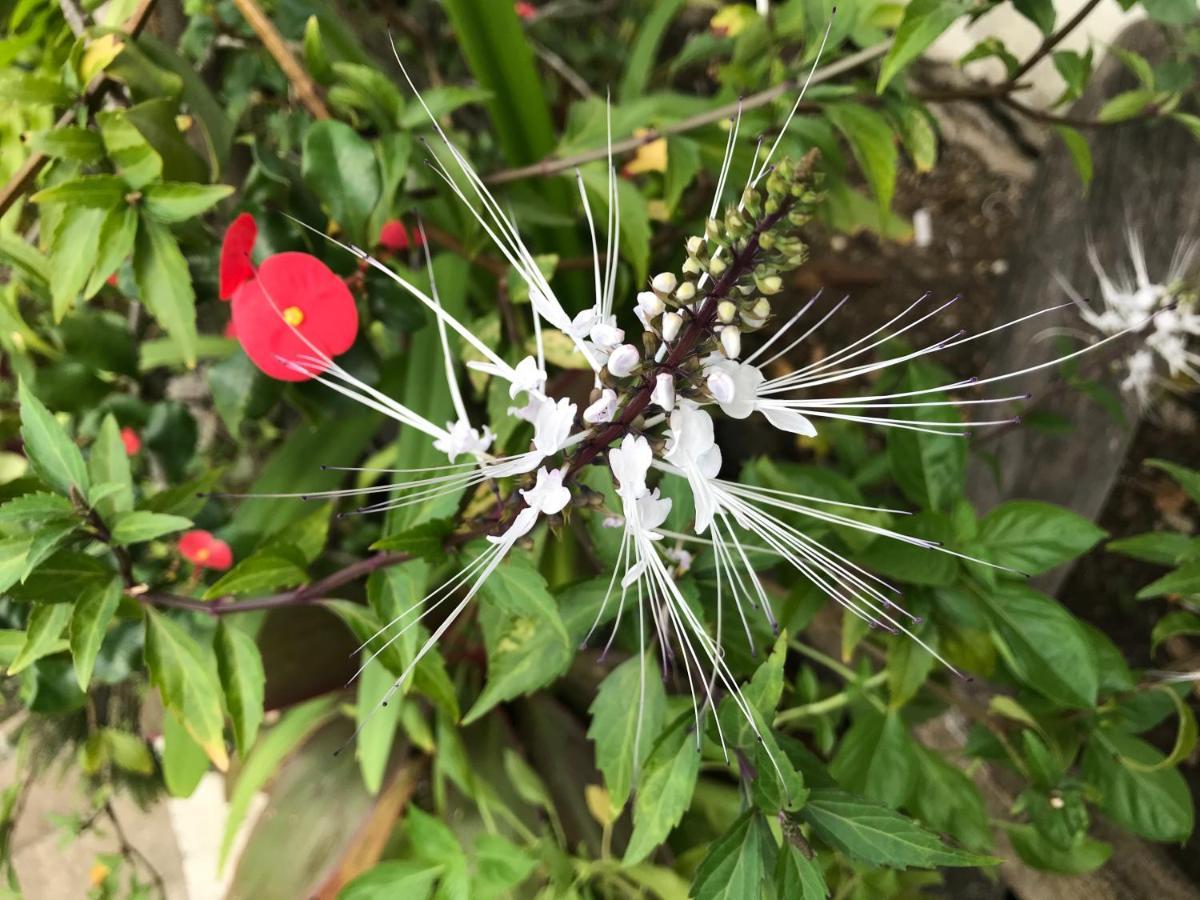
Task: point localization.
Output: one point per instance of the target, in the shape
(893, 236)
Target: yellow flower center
(294, 316)
(203, 554)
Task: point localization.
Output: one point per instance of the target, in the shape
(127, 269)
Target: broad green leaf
(442, 100)
(627, 716)
(108, 463)
(872, 833)
(14, 559)
(923, 23)
(32, 509)
(797, 877)
(644, 51)
(424, 541)
(377, 719)
(339, 167)
(1166, 548)
(1039, 12)
(87, 191)
(908, 665)
(266, 570)
(46, 540)
(877, 757)
(137, 161)
(1156, 805)
(1174, 623)
(1043, 644)
(1040, 853)
(63, 578)
(917, 132)
(872, 143)
(501, 865)
(89, 622)
(733, 867)
(928, 468)
(165, 285)
(128, 752)
(155, 119)
(53, 454)
(185, 676)
(73, 255)
(1126, 105)
(184, 761)
(1075, 70)
(1188, 479)
(70, 142)
(664, 790)
(1080, 150)
(171, 202)
(946, 800)
(1185, 736)
(23, 88)
(1185, 580)
(46, 624)
(405, 878)
(140, 526)
(240, 668)
(1033, 537)
(280, 740)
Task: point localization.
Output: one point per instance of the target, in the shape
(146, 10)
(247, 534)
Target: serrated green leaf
(733, 867)
(165, 285)
(872, 143)
(876, 757)
(1156, 805)
(1033, 537)
(53, 454)
(264, 571)
(923, 23)
(108, 463)
(32, 509)
(171, 202)
(140, 526)
(425, 541)
(339, 166)
(89, 621)
(185, 676)
(664, 790)
(73, 255)
(69, 142)
(46, 624)
(137, 161)
(21, 88)
(1038, 852)
(872, 833)
(88, 191)
(240, 668)
(627, 716)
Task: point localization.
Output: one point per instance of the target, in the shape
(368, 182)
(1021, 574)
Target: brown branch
(274, 43)
(24, 177)
(1054, 40)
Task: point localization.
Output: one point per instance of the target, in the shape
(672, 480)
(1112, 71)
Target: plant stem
(830, 703)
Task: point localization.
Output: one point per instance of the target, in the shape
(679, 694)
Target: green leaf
(908, 665)
(918, 134)
(627, 716)
(527, 643)
(184, 761)
(46, 624)
(90, 191)
(733, 867)
(644, 51)
(1081, 152)
(500, 864)
(108, 463)
(33, 509)
(1075, 71)
(405, 878)
(184, 674)
(71, 143)
(1188, 479)
(1166, 548)
(442, 100)
(872, 143)
(63, 578)
(171, 202)
(1043, 644)
(137, 161)
(1171, 12)
(946, 800)
(73, 256)
(155, 120)
(1184, 580)
(876, 757)
(878, 836)
(240, 668)
(53, 454)
(425, 541)
(797, 877)
(265, 570)
(339, 167)
(928, 468)
(33, 89)
(664, 790)
(165, 285)
(294, 726)
(923, 23)
(1126, 105)
(140, 526)
(1039, 12)
(1034, 537)
(1156, 805)
(1035, 850)
(1172, 624)
(376, 719)
(89, 621)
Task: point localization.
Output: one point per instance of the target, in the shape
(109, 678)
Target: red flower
(132, 441)
(293, 309)
(525, 10)
(394, 236)
(204, 551)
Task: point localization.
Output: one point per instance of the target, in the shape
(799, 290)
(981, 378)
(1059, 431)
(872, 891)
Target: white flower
(731, 341)
(623, 360)
(462, 439)
(605, 334)
(737, 388)
(602, 409)
(671, 323)
(651, 305)
(664, 391)
(630, 463)
(552, 425)
(548, 495)
(720, 385)
(691, 444)
(653, 512)
(528, 376)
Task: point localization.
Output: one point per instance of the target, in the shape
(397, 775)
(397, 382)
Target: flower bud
(650, 304)
(602, 409)
(664, 391)
(694, 245)
(664, 282)
(623, 360)
(720, 386)
(731, 342)
(771, 284)
(761, 308)
(726, 311)
(685, 292)
(671, 323)
(716, 266)
(692, 266)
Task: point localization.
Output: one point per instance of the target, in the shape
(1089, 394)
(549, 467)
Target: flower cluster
(1165, 312)
(650, 418)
